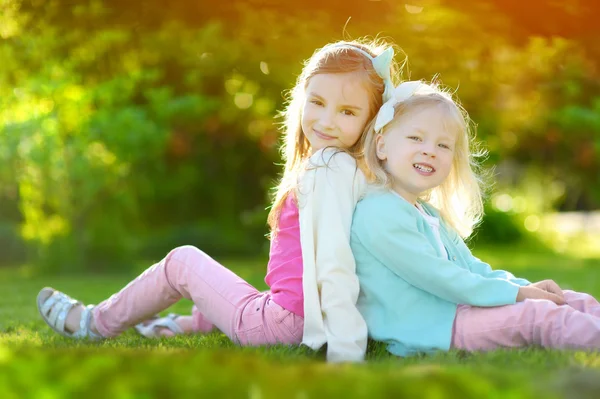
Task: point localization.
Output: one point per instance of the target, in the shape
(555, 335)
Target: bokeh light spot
(532, 223)
(243, 100)
(503, 202)
(412, 9)
(264, 67)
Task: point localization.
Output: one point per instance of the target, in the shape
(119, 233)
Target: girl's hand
(549, 286)
(531, 292)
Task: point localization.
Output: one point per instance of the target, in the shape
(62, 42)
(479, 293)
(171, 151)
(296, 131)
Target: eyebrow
(354, 107)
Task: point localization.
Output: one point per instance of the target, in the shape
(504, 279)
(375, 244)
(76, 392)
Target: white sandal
(54, 307)
(151, 329)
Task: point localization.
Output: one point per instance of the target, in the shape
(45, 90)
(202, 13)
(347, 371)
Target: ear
(380, 147)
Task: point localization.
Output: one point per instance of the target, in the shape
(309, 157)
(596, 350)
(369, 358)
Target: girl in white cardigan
(311, 270)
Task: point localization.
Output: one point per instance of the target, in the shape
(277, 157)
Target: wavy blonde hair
(460, 197)
(338, 57)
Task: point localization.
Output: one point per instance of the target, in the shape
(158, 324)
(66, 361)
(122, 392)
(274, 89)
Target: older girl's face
(336, 110)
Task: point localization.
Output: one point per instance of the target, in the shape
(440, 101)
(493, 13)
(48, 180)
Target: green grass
(36, 363)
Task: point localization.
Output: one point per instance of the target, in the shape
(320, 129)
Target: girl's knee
(574, 295)
(569, 294)
(538, 309)
(187, 254)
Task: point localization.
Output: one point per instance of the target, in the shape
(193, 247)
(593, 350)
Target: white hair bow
(401, 93)
(382, 65)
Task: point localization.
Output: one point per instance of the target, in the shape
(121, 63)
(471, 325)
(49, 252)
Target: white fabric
(434, 223)
(327, 194)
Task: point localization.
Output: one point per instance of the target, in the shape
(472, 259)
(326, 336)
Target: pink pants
(575, 325)
(221, 299)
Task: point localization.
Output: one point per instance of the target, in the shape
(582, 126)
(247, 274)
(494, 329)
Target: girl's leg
(221, 297)
(198, 323)
(582, 302)
(531, 322)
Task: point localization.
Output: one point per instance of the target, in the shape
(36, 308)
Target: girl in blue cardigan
(421, 288)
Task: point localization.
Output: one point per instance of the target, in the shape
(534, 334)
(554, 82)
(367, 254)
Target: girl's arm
(482, 268)
(333, 195)
(546, 289)
(389, 232)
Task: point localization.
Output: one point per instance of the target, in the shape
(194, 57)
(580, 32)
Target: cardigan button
(454, 258)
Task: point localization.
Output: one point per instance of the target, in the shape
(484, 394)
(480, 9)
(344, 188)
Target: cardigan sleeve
(392, 236)
(482, 268)
(337, 185)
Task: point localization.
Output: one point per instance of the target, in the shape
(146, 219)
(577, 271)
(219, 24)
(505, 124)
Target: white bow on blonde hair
(401, 93)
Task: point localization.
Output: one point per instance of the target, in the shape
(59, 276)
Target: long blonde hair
(459, 197)
(338, 57)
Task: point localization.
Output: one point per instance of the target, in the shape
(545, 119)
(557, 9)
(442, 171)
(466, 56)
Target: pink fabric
(284, 271)
(221, 298)
(575, 325)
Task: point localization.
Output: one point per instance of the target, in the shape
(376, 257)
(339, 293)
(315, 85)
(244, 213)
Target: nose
(429, 151)
(327, 119)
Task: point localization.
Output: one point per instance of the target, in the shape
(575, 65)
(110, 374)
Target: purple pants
(575, 325)
(220, 297)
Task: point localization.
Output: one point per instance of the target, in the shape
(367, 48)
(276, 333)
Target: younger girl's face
(417, 151)
(335, 111)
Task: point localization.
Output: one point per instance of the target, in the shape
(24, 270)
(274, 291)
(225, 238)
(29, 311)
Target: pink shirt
(284, 271)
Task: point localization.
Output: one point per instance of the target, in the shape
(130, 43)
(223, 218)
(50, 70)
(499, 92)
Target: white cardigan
(327, 193)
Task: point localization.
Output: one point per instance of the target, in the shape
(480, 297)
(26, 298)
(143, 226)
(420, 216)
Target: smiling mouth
(425, 169)
(323, 135)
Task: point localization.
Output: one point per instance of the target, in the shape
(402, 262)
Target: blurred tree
(129, 128)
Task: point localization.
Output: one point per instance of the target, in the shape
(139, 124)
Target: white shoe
(151, 330)
(54, 306)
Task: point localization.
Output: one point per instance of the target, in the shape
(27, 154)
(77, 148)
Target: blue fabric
(409, 288)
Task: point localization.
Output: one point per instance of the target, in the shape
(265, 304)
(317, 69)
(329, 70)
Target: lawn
(36, 363)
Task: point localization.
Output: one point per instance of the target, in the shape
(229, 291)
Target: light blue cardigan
(409, 289)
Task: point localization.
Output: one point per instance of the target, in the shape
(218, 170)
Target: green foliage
(498, 227)
(127, 130)
(109, 143)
